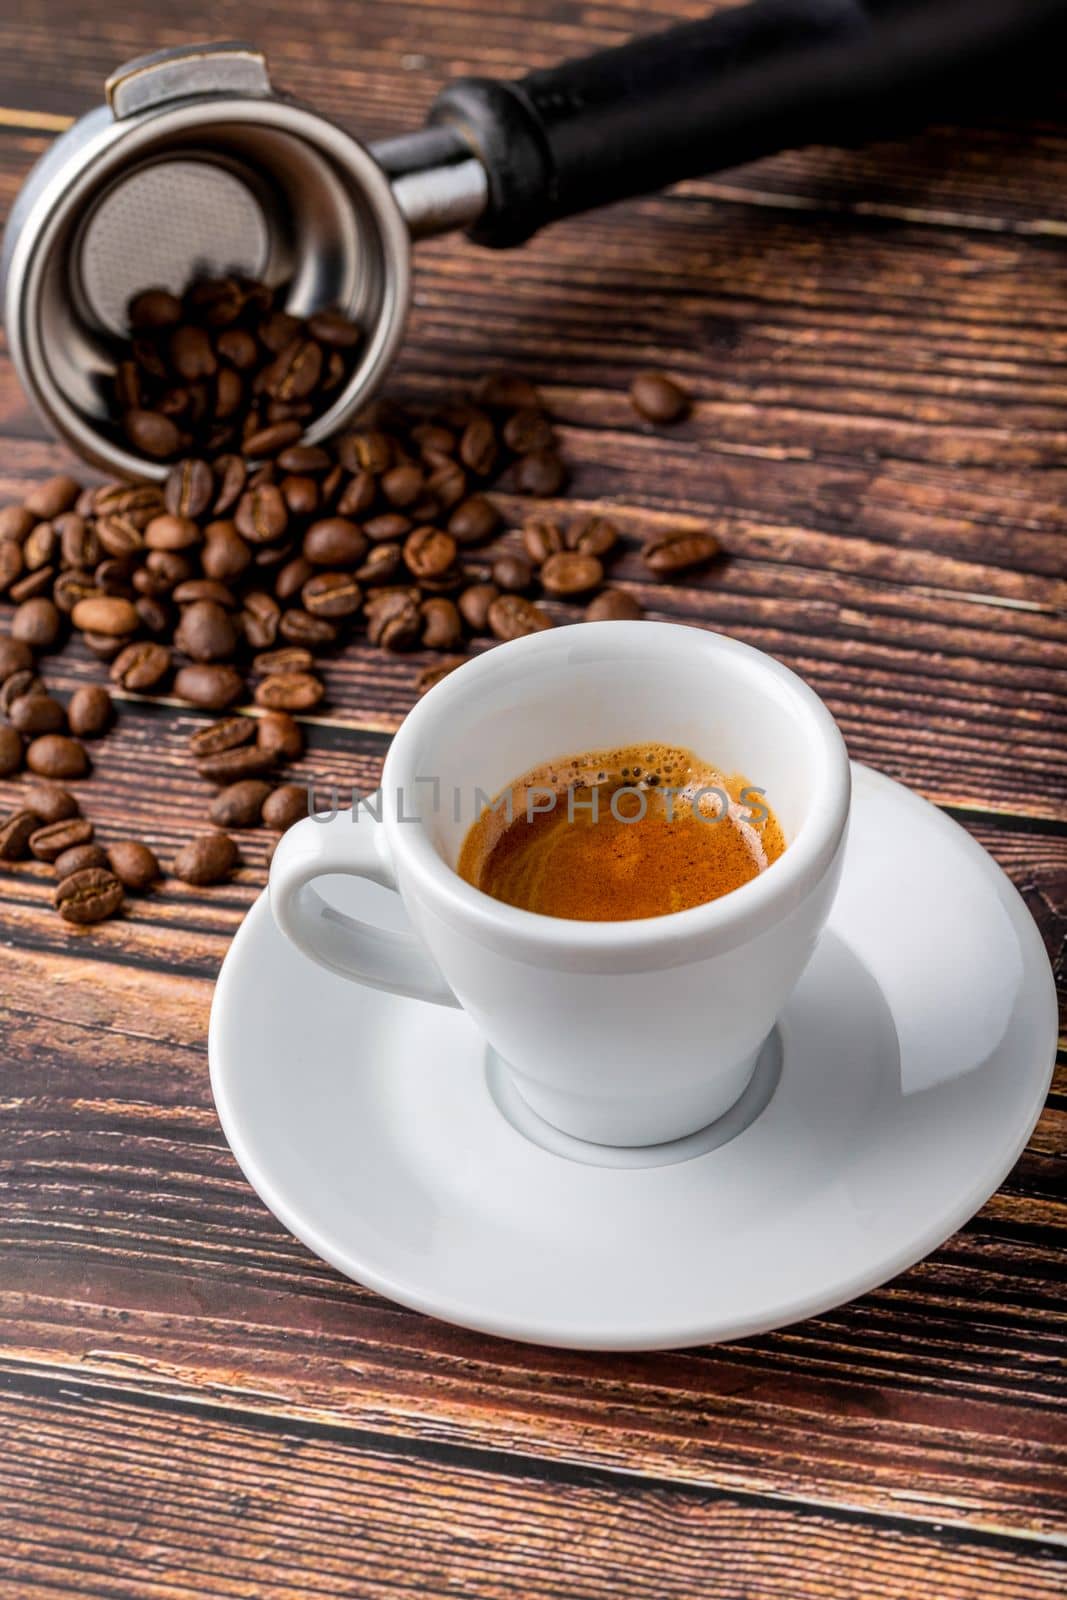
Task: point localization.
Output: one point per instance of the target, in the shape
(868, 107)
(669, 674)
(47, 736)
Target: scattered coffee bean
(55, 755)
(428, 553)
(51, 498)
(393, 619)
(141, 667)
(593, 536)
(107, 614)
(474, 520)
(89, 896)
(31, 714)
(15, 523)
(280, 736)
(511, 616)
(205, 632)
(152, 433)
(658, 398)
(614, 605)
(189, 490)
(37, 622)
(49, 802)
(474, 603)
(206, 859)
(78, 858)
(541, 473)
(542, 539)
(18, 685)
(512, 573)
(90, 710)
(289, 691)
(134, 864)
(334, 542)
(570, 573)
(210, 685)
(16, 830)
(679, 552)
(230, 766)
(226, 734)
(284, 806)
(332, 595)
(50, 841)
(442, 626)
(15, 656)
(312, 632)
(239, 804)
(290, 658)
(10, 751)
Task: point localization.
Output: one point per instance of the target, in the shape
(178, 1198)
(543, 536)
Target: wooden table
(191, 1404)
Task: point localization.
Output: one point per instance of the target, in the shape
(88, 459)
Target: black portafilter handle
(742, 83)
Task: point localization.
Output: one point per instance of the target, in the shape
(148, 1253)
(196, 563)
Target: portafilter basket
(198, 166)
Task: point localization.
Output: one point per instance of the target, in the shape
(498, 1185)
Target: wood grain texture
(193, 1405)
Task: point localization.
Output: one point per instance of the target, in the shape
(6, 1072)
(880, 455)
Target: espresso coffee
(617, 834)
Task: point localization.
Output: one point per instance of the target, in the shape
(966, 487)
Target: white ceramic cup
(623, 1033)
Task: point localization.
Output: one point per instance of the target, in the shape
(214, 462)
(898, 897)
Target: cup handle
(377, 957)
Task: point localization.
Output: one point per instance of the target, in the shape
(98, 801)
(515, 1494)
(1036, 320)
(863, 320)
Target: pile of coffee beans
(259, 553)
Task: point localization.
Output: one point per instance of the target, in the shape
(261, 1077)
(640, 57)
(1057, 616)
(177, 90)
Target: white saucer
(915, 1056)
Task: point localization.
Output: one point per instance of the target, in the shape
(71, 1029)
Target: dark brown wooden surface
(191, 1404)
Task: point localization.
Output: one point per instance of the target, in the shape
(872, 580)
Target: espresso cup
(622, 1033)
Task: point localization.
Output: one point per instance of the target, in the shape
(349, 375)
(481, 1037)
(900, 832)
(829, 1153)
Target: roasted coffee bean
(301, 495)
(32, 714)
(50, 841)
(50, 802)
(210, 685)
(570, 573)
(542, 539)
(72, 586)
(280, 736)
(37, 622)
(593, 536)
(358, 495)
(507, 391)
(206, 632)
(238, 347)
(271, 557)
(528, 430)
(231, 766)
(216, 301)
(388, 528)
(474, 520)
(11, 564)
(332, 595)
(541, 472)
(192, 353)
(189, 489)
(334, 329)
(231, 475)
(227, 734)
(207, 859)
(658, 398)
(79, 544)
(512, 573)
(429, 677)
(118, 536)
(271, 440)
(429, 553)
(15, 523)
(366, 450)
(473, 605)
(194, 589)
(32, 585)
(56, 755)
(16, 830)
(10, 751)
(225, 554)
(103, 646)
(90, 711)
(512, 617)
(446, 480)
(78, 859)
(153, 310)
(15, 656)
(442, 628)
(171, 532)
(51, 498)
(239, 804)
(133, 863)
(260, 616)
(290, 579)
(305, 459)
(41, 548)
(284, 806)
(301, 628)
(89, 896)
(289, 691)
(170, 566)
(22, 682)
(289, 658)
(107, 614)
(114, 576)
(137, 503)
(384, 563)
(152, 433)
(334, 542)
(614, 605)
(141, 667)
(402, 486)
(393, 619)
(678, 552)
(295, 371)
(478, 448)
(277, 330)
(262, 515)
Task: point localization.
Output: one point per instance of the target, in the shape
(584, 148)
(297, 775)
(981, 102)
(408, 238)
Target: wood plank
(149, 1502)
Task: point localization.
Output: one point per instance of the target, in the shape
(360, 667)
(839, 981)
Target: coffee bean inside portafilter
(225, 584)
